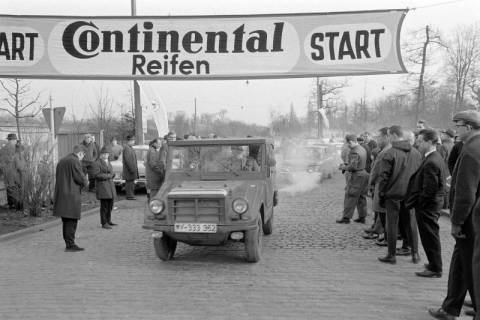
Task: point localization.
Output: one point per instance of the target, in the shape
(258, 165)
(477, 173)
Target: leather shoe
(441, 314)
(403, 252)
(388, 259)
(415, 258)
(73, 248)
(470, 313)
(360, 220)
(467, 303)
(370, 236)
(343, 220)
(112, 224)
(106, 226)
(131, 198)
(428, 274)
(368, 230)
(381, 243)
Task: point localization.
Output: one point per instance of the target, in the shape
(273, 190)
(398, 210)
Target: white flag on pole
(153, 104)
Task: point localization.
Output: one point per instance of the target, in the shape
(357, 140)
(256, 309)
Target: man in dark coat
(428, 190)
(465, 218)
(69, 181)
(105, 188)
(396, 167)
(357, 182)
(130, 169)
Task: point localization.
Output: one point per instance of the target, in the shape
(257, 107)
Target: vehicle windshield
(215, 158)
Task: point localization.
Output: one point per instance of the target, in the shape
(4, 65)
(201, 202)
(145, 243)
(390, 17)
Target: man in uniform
(357, 181)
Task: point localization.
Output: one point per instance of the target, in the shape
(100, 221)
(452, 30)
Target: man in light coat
(69, 181)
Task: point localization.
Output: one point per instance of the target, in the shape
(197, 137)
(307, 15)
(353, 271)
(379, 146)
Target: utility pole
(136, 97)
(195, 118)
(54, 147)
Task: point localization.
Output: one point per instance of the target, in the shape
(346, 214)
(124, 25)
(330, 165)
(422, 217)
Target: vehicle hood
(227, 188)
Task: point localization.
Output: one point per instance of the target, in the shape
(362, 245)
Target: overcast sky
(252, 101)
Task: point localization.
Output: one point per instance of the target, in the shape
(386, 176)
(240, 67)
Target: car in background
(117, 165)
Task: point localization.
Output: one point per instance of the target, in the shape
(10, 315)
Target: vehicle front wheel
(268, 226)
(165, 247)
(253, 243)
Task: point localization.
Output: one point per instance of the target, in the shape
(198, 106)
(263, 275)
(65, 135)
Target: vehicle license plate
(195, 227)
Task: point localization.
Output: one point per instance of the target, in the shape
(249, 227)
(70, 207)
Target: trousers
(427, 220)
(106, 206)
(460, 276)
(69, 229)
(130, 188)
(356, 195)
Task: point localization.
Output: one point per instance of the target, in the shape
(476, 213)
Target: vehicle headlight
(240, 205)
(156, 206)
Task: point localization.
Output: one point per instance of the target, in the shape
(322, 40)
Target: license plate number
(195, 227)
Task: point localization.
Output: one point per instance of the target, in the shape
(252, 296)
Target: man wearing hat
(69, 181)
(130, 169)
(102, 171)
(465, 218)
(7, 154)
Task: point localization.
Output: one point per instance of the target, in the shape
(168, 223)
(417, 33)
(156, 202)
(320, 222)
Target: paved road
(312, 268)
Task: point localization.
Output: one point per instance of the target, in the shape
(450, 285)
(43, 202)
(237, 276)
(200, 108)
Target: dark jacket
(374, 177)
(429, 182)
(130, 169)
(154, 169)
(7, 153)
(453, 156)
(368, 159)
(400, 162)
(91, 155)
(356, 159)
(466, 181)
(69, 182)
(103, 174)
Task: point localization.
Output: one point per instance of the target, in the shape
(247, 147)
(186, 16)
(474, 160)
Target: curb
(41, 227)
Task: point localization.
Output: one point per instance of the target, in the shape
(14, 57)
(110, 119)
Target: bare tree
(102, 110)
(463, 54)
(18, 101)
(325, 92)
(418, 52)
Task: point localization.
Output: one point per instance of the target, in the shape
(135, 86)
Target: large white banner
(201, 47)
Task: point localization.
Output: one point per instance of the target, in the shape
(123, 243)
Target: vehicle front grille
(197, 210)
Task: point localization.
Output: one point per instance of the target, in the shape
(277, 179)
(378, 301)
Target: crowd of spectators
(411, 177)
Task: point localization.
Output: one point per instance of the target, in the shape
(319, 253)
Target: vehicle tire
(165, 247)
(253, 243)
(268, 226)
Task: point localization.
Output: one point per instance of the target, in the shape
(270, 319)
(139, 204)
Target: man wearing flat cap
(7, 153)
(69, 181)
(130, 169)
(465, 218)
